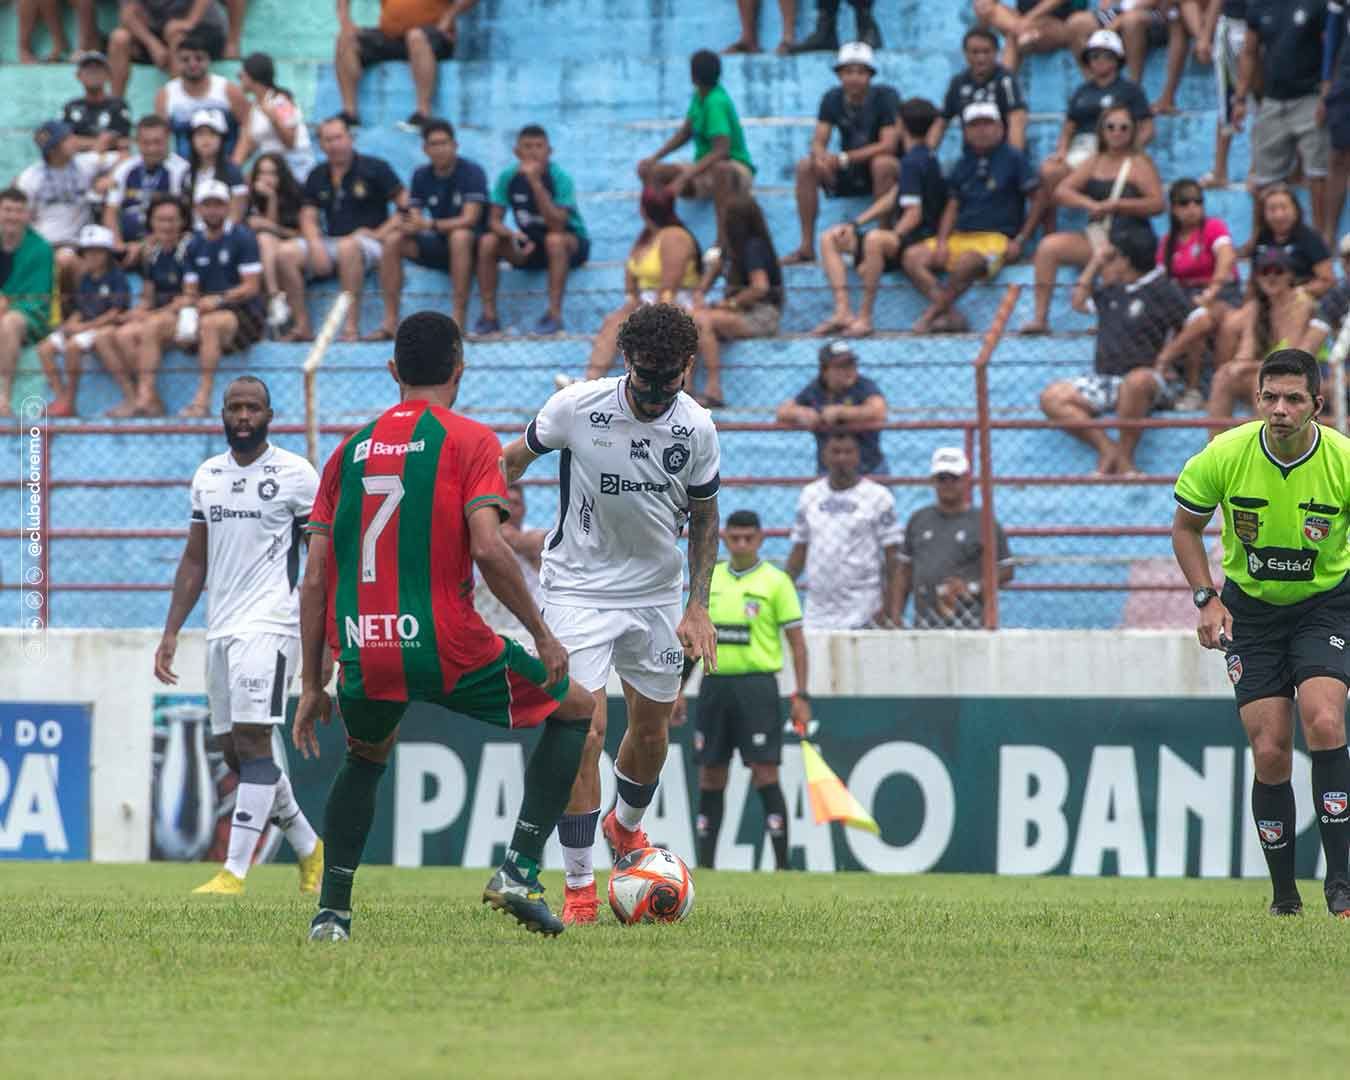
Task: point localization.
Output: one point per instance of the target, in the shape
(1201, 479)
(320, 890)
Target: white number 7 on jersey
(391, 487)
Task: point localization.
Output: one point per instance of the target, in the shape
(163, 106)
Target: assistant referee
(751, 601)
(1283, 618)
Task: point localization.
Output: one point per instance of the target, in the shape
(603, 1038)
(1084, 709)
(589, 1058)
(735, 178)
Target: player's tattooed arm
(704, 524)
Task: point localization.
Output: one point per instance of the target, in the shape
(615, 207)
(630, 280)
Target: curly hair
(662, 335)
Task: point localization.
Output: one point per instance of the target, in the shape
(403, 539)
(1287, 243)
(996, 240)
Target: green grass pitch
(111, 971)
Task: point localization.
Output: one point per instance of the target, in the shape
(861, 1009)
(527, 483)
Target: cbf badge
(1316, 529)
(1246, 523)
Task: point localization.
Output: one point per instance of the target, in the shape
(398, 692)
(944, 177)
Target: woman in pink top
(1198, 254)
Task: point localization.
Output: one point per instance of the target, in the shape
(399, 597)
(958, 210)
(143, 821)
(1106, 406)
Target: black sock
(708, 825)
(775, 820)
(1273, 809)
(1331, 798)
(346, 824)
(549, 776)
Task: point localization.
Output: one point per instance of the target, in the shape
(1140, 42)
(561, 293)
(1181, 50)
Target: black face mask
(245, 444)
(660, 387)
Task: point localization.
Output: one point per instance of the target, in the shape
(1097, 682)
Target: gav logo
(601, 419)
(381, 632)
(639, 449)
(681, 432)
(614, 484)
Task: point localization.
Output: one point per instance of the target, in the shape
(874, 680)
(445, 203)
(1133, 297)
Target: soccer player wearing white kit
(249, 506)
(638, 457)
(847, 539)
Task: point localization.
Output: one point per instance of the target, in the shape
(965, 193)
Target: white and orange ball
(651, 885)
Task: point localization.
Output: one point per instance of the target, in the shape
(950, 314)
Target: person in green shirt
(25, 287)
(1282, 484)
(751, 603)
(721, 167)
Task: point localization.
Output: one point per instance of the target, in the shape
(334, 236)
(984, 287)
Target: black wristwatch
(1203, 596)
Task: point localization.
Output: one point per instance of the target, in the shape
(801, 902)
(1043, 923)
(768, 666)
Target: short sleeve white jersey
(846, 534)
(625, 485)
(253, 515)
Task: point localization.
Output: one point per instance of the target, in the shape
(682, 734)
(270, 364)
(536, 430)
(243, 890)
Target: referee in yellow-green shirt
(750, 602)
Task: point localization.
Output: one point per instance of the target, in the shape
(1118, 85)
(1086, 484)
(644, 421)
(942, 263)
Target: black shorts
(433, 250)
(739, 712)
(538, 257)
(851, 182)
(251, 321)
(1275, 649)
(376, 47)
(891, 263)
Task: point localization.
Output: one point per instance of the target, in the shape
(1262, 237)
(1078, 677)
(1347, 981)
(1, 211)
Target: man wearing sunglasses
(637, 458)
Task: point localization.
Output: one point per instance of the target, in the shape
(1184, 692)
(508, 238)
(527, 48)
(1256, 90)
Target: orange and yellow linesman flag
(830, 800)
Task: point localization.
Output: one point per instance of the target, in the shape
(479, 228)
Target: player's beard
(244, 444)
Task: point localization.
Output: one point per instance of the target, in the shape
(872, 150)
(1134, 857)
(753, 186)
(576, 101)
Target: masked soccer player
(1283, 619)
(638, 456)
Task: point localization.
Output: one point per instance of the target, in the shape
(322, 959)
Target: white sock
(252, 808)
(629, 810)
(577, 867)
(287, 813)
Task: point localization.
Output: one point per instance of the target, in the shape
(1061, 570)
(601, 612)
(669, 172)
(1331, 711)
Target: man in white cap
(101, 298)
(866, 114)
(1326, 324)
(942, 555)
(983, 80)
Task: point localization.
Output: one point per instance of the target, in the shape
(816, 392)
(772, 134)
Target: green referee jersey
(749, 608)
(1284, 526)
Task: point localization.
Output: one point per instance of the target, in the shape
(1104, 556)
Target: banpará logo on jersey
(614, 484)
(601, 419)
(681, 432)
(639, 449)
(675, 458)
(225, 513)
(267, 489)
(382, 632)
(367, 448)
(237, 488)
(586, 514)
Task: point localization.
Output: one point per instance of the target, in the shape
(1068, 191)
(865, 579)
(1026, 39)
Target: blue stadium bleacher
(605, 109)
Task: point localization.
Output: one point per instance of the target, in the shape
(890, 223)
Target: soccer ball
(651, 885)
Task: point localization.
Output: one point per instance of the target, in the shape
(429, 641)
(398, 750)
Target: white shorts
(639, 643)
(370, 252)
(683, 297)
(84, 340)
(248, 679)
(1081, 147)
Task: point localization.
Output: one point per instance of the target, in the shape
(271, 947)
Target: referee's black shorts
(1275, 648)
(739, 712)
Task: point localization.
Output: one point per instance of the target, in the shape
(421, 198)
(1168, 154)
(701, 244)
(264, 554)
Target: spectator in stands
(26, 281)
(1118, 188)
(664, 267)
(825, 37)
(839, 399)
(101, 299)
(1140, 24)
(1220, 42)
(60, 191)
(866, 115)
(1184, 25)
(99, 120)
(722, 166)
(748, 42)
(1035, 26)
(274, 205)
(234, 34)
(984, 80)
(847, 540)
(1104, 88)
(1326, 324)
(1277, 316)
(447, 204)
(752, 302)
(915, 208)
(343, 222)
(152, 171)
(1285, 40)
(1198, 254)
(551, 234)
(942, 554)
(983, 226)
(1336, 109)
(182, 100)
(1280, 225)
(162, 264)
(421, 32)
(275, 123)
(1145, 325)
(223, 283)
(150, 32)
(207, 161)
(528, 547)
(50, 10)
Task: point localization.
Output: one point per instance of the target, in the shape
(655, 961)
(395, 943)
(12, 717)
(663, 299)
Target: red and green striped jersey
(395, 500)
